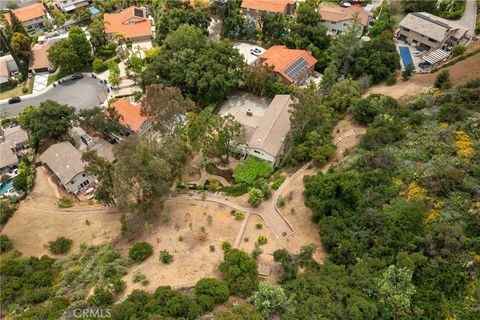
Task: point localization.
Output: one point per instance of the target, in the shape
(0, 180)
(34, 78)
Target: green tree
(172, 18)
(103, 169)
(50, 120)
(113, 73)
(63, 55)
(140, 251)
(105, 121)
(6, 244)
(165, 107)
(97, 32)
(16, 25)
(216, 289)
(224, 135)
(274, 26)
(396, 289)
(240, 272)
(269, 299)
(255, 196)
(80, 44)
(343, 95)
(60, 245)
(21, 44)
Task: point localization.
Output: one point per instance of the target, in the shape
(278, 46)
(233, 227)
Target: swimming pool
(7, 185)
(406, 56)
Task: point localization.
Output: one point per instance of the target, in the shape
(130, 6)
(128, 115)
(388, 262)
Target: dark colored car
(14, 100)
(76, 76)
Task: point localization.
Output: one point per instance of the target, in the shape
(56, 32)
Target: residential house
(39, 59)
(338, 19)
(267, 142)
(8, 66)
(130, 116)
(255, 8)
(291, 65)
(66, 163)
(11, 141)
(34, 17)
(132, 23)
(68, 6)
(429, 32)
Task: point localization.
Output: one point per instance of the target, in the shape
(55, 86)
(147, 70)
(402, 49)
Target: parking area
(246, 51)
(40, 81)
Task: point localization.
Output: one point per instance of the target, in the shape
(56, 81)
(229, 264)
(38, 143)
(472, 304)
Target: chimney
(249, 113)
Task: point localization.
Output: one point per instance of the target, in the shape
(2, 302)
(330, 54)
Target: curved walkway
(268, 210)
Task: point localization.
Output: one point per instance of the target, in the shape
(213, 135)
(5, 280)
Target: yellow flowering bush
(464, 145)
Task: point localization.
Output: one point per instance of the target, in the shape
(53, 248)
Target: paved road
(469, 17)
(81, 94)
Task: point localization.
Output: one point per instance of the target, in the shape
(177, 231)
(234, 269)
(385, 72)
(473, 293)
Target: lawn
(17, 91)
(61, 74)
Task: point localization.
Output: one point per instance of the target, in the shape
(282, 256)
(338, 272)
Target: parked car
(76, 76)
(87, 140)
(255, 51)
(14, 100)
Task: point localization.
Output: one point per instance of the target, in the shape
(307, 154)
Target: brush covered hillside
(400, 216)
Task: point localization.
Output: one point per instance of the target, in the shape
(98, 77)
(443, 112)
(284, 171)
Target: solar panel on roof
(297, 68)
(138, 13)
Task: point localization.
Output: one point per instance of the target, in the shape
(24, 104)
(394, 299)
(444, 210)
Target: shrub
(391, 79)
(281, 202)
(6, 210)
(240, 272)
(140, 277)
(226, 245)
(216, 289)
(269, 299)
(212, 248)
(140, 251)
(256, 252)
(443, 80)
(166, 257)
(99, 65)
(407, 73)
(252, 169)
(239, 215)
(259, 226)
(24, 89)
(255, 196)
(235, 190)
(65, 202)
(60, 245)
(5, 243)
(101, 297)
(458, 50)
(262, 240)
(279, 179)
(205, 302)
(118, 285)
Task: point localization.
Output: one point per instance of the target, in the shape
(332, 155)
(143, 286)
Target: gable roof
(432, 26)
(64, 160)
(281, 58)
(130, 116)
(274, 126)
(27, 13)
(277, 6)
(131, 22)
(39, 57)
(15, 135)
(341, 14)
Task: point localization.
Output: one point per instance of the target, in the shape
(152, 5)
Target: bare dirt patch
(38, 221)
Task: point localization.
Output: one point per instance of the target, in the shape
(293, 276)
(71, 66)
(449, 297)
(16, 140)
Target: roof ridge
(277, 115)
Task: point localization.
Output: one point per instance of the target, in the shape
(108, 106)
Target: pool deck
(415, 57)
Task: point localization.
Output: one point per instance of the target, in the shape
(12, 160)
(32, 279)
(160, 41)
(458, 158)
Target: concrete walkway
(40, 81)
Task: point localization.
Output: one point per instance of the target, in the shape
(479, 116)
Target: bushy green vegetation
(166, 257)
(66, 202)
(7, 209)
(5, 243)
(60, 245)
(398, 217)
(240, 272)
(140, 251)
(252, 169)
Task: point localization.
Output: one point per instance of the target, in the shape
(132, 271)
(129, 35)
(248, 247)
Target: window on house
(432, 40)
(406, 29)
(333, 22)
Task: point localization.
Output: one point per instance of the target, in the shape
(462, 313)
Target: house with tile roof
(255, 8)
(338, 19)
(429, 32)
(33, 17)
(292, 65)
(130, 116)
(132, 23)
(39, 59)
(66, 163)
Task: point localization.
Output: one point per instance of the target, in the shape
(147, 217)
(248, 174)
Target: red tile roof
(127, 23)
(281, 57)
(130, 116)
(267, 5)
(27, 13)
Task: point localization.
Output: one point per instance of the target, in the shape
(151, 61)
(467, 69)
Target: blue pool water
(406, 56)
(4, 187)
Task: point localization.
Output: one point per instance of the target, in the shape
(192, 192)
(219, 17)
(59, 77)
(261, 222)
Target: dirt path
(460, 73)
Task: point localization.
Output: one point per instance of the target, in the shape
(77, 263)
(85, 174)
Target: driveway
(81, 94)
(40, 82)
(469, 17)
